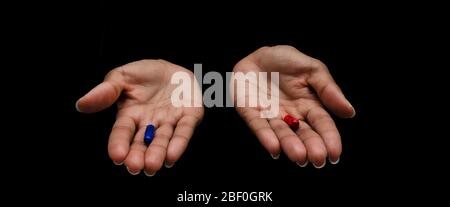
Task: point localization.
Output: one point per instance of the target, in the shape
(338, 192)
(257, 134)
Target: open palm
(306, 86)
(143, 92)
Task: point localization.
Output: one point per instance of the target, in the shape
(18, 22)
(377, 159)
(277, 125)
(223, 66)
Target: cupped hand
(306, 88)
(143, 92)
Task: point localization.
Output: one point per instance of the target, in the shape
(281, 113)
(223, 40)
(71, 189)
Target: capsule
(292, 122)
(149, 134)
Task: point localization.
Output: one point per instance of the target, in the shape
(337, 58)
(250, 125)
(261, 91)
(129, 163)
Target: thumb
(329, 92)
(101, 97)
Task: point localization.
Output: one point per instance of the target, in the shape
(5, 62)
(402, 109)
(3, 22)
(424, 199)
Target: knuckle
(318, 65)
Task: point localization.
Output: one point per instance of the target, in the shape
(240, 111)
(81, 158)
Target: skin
(143, 91)
(306, 89)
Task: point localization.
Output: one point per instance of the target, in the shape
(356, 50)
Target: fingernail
(76, 105)
(303, 165)
(321, 166)
(353, 109)
(167, 165)
(148, 174)
(117, 163)
(334, 162)
(132, 173)
(275, 157)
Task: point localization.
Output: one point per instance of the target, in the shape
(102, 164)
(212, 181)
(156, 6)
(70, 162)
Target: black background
(371, 56)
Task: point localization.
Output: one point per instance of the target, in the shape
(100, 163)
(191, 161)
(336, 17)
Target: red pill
(292, 122)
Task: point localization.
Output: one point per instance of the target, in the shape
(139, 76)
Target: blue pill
(149, 134)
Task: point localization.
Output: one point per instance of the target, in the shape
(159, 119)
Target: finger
(291, 144)
(156, 151)
(120, 138)
(315, 147)
(262, 130)
(329, 92)
(135, 158)
(324, 125)
(103, 95)
(180, 139)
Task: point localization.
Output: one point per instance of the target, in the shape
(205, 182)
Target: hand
(143, 91)
(306, 87)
